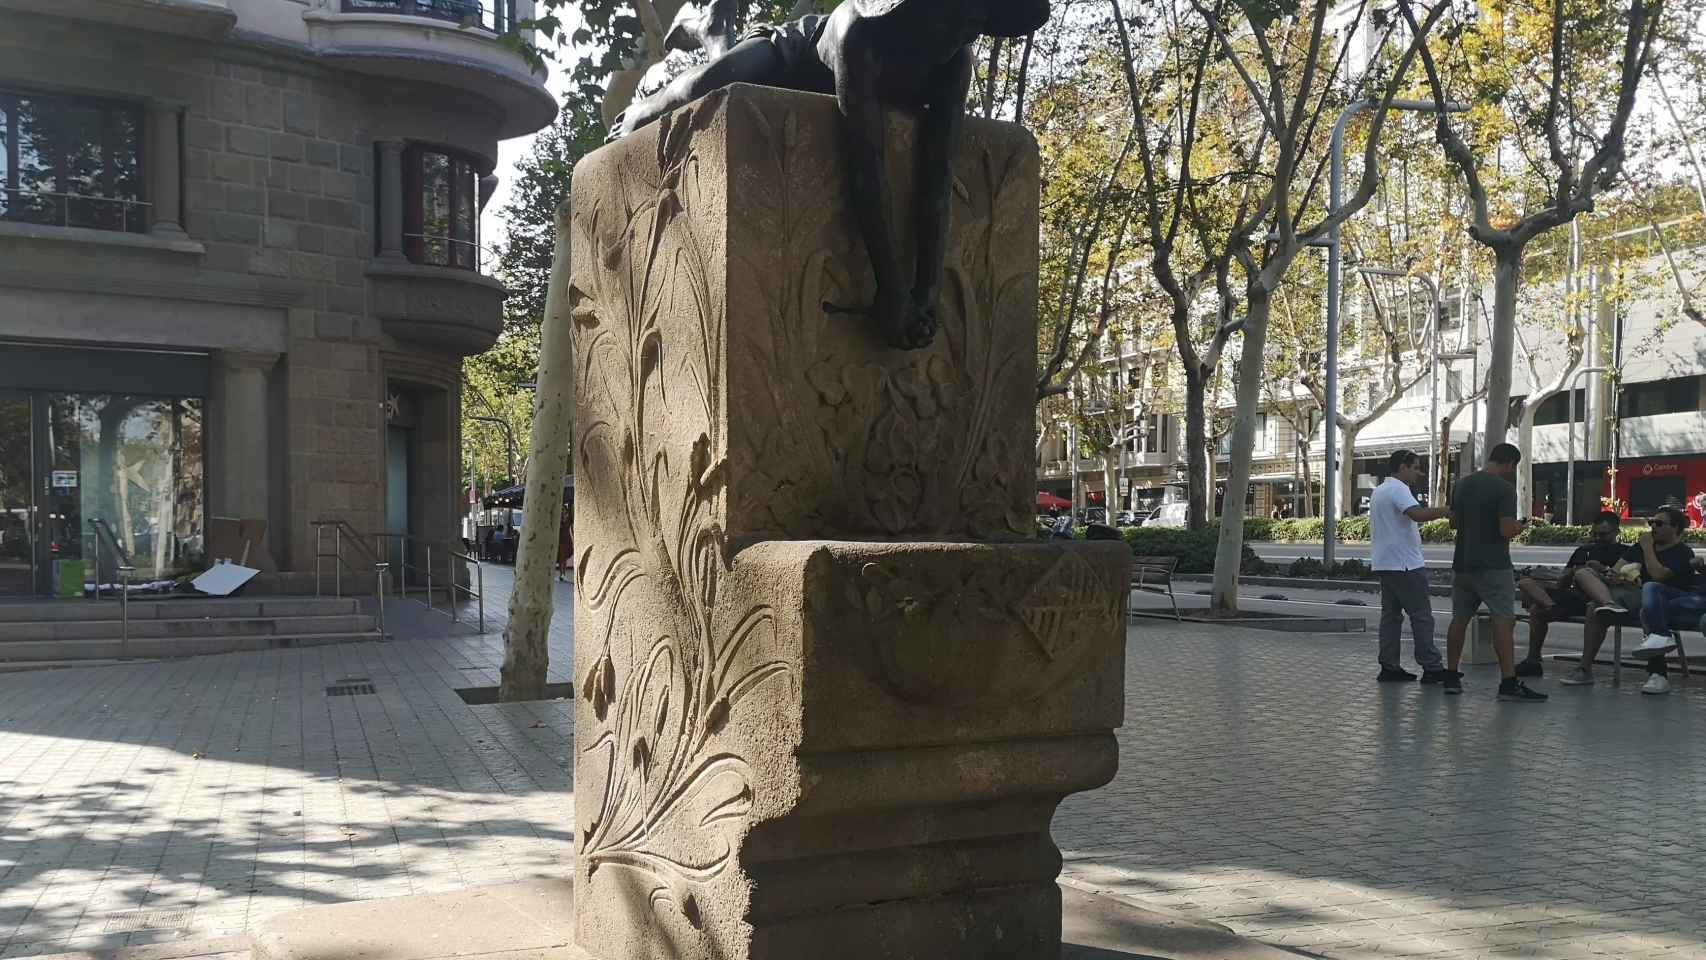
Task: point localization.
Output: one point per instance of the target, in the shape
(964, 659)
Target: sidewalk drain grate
(349, 689)
(147, 920)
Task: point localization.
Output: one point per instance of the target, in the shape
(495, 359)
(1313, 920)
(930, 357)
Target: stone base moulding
(868, 753)
(830, 687)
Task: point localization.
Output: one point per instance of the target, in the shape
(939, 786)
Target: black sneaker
(1394, 675)
(1435, 676)
(1453, 682)
(1515, 691)
(1530, 668)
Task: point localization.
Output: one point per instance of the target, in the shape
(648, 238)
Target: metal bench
(1633, 619)
(1618, 622)
(1155, 575)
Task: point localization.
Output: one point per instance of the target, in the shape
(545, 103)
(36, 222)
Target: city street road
(1437, 554)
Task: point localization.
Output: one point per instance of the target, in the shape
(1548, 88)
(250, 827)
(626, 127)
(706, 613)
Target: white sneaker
(1656, 684)
(1655, 645)
(1613, 608)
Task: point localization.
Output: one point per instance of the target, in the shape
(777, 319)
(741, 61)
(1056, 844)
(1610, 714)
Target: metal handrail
(124, 572)
(380, 568)
(477, 593)
(99, 525)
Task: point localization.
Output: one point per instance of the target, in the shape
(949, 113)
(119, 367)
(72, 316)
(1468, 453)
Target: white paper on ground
(223, 578)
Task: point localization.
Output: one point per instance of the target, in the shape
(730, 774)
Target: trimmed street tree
(1551, 88)
(1266, 82)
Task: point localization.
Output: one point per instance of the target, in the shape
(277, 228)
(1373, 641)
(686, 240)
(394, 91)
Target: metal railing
(20, 209)
(416, 245)
(104, 534)
(496, 16)
(124, 572)
(409, 546)
(343, 533)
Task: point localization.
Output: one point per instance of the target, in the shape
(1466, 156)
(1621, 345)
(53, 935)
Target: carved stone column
(164, 164)
(390, 200)
(831, 688)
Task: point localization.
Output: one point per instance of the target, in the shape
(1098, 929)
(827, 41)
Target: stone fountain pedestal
(831, 688)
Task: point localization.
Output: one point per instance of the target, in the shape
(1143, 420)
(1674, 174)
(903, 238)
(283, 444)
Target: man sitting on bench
(1652, 574)
(1550, 603)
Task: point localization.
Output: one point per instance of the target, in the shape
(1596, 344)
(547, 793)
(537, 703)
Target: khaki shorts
(1472, 588)
(1626, 596)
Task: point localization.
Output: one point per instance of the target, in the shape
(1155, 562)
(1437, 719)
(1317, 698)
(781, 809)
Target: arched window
(441, 217)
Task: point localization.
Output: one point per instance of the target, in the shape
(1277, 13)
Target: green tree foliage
(618, 35)
(494, 379)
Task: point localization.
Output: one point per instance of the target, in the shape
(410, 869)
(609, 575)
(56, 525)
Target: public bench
(1155, 575)
(1483, 622)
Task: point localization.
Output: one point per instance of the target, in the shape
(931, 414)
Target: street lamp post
(1474, 376)
(1433, 368)
(1335, 187)
(1570, 470)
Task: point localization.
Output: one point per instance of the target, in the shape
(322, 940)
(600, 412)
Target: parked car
(1126, 518)
(1168, 515)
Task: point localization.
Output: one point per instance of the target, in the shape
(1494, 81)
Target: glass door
(17, 504)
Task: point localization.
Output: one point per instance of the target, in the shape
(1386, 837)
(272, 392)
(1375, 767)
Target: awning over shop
(515, 497)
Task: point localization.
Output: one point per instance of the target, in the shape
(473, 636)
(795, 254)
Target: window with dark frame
(1676, 395)
(1556, 409)
(441, 221)
(71, 161)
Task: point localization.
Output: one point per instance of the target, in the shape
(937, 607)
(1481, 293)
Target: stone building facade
(239, 268)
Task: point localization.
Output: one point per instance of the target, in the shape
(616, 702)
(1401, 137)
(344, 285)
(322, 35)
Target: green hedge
(1313, 568)
(1194, 548)
(1559, 535)
(1355, 529)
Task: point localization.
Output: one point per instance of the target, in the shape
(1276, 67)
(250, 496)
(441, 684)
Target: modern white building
(1646, 411)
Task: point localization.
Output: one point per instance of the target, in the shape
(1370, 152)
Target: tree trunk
(1507, 279)
(1348, 468)
(1229, 554)
(526, 651)
(1209, 465)
(1196, 445)
(1525, 467)
(1110, 486)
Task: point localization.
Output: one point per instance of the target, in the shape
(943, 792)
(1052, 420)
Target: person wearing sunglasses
(1657, 575)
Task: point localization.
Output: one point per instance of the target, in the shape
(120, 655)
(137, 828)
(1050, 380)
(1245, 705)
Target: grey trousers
(1401, 592)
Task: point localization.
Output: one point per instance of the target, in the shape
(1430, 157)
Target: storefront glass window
(136, 463)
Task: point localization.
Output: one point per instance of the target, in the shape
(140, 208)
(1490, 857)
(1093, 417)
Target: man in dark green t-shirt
(1483, 509)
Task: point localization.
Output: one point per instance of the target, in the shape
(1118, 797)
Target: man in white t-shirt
(1393, 513)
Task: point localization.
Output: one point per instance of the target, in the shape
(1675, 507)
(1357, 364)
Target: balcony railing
(495, 16)
(433, 250)
(49, 209)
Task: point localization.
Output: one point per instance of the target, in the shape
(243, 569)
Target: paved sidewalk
(1266, 783)
(192, 797)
